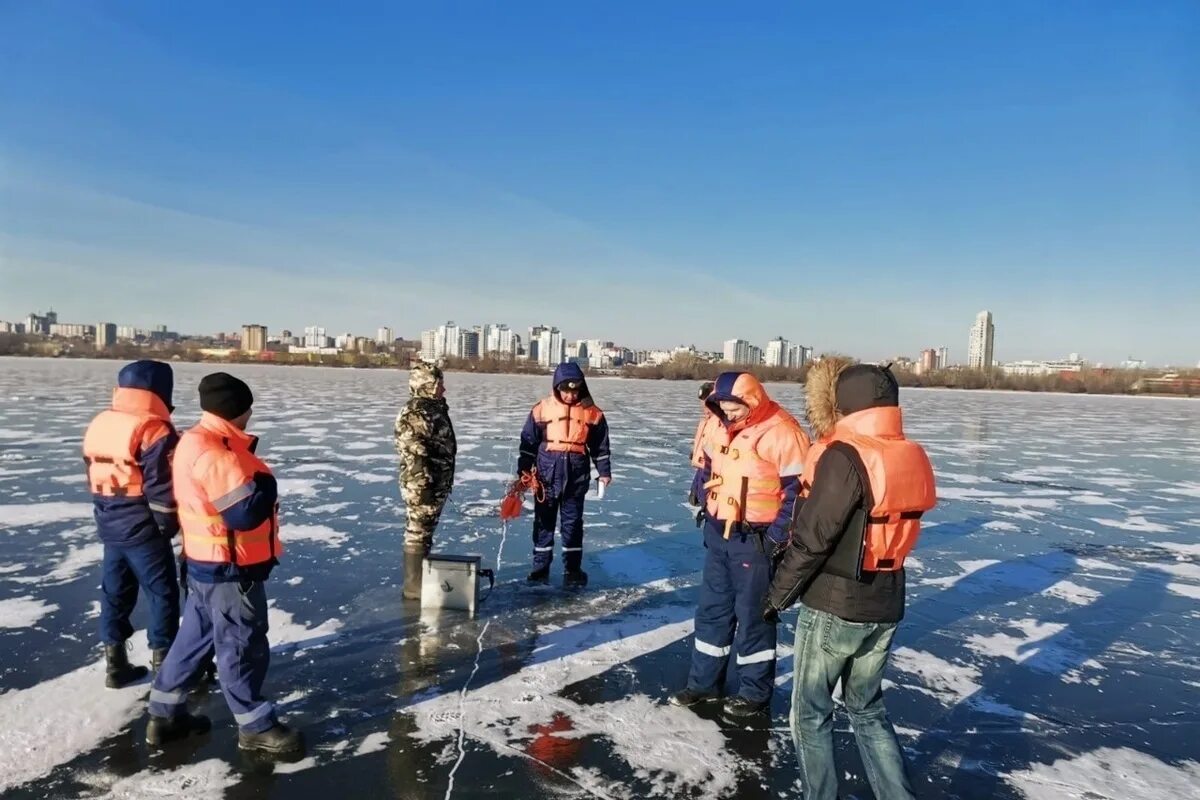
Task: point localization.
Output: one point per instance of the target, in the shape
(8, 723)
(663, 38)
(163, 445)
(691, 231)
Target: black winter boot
(574, 579)
(118, 672)
(540, 575)
(414, 559)
(690, 697)
(160, 730)
(279, 739)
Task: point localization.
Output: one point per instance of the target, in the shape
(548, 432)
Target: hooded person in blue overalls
(564, 435)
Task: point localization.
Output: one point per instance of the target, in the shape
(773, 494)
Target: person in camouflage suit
(427, 449)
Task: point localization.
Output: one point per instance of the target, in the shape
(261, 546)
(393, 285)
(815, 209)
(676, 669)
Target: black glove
(693, 500)
(770, 613)
(700, 518)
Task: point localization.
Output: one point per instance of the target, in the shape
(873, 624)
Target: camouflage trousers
(422, 519)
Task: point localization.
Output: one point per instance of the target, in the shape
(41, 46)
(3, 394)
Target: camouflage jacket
(427, 449)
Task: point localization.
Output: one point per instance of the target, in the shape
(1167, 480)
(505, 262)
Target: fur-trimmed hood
(820, 392)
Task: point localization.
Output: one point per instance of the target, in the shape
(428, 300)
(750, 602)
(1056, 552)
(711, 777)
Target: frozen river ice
(1049, 649)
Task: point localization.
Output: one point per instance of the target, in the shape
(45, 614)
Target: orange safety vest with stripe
(747, 467)
(214, 468)
(898, 488)
(567, 427)
(137, 420)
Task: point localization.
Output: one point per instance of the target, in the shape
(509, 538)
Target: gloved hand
(770, 614)
(700, 518)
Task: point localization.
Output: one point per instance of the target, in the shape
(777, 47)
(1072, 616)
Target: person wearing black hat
(845, 563)
(563, 437)
(229, 516)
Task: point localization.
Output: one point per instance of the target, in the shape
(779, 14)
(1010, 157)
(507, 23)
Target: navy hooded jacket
(563, 473)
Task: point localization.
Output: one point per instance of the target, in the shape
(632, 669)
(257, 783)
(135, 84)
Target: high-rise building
(106, 335)
(384, 337)
(254, 338)
(552, 350)
(314, 336)
(449, 342)
(535, 341)
(429, 345)
(737, 352)
(943, 358)
(928, 361)
(755, 356)
(468, 344)
(777, 352)
(983, 335)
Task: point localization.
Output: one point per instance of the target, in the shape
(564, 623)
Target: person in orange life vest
(228, 512)
(755, 458)
(564, 435)
(708, 420)
(850, 536)
(128, 451)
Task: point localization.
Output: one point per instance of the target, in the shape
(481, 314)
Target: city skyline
(1038, 162)
(499, 339)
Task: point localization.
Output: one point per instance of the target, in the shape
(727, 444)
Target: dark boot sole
(271, 750)
(175, 736)
(112, 682)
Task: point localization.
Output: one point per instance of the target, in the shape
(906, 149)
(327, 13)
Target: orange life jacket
(116, 436)
(213, 462)
(898, 487)
(705, 428)
(745, 484)
(567, 427)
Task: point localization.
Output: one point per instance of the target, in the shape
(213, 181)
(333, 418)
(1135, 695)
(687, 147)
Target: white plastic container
(450, 582)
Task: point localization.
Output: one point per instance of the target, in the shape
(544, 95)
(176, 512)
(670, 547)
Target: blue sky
(859, 177)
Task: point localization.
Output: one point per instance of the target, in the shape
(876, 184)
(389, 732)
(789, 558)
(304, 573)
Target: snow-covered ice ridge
(1048, 649)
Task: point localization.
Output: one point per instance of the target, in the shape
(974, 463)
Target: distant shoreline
(709, 372)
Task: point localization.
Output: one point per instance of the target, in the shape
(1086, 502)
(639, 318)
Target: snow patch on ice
(1001, 525)
(373, 743)
(327, 508)
(28, 514)
(1073, 593)
(1184, 590)
(22, 612)
(322, 534)
(298, 487)
(206, 780)
(285, 633)
(75, 563)
(1107, 774)
(967, 567)
(372, 477)
(948, 682)
(1134, 522)
(670, 747)
(360, 445)
(282, 768)
(468, 475)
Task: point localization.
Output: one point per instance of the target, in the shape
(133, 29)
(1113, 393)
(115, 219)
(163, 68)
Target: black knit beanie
(224, 395)
(864, 386)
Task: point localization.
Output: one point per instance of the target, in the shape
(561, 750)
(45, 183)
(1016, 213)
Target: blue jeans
(829, 649)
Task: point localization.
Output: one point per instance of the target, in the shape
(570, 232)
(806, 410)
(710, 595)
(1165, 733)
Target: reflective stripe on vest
(898, 484)
(567, 427)
(206, 537)
(745, 487)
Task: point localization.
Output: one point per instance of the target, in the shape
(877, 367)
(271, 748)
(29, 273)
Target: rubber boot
(279, 739)
(540, 576)
(160, 730)
(574, 579)
(118, 672)
(414, 559)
